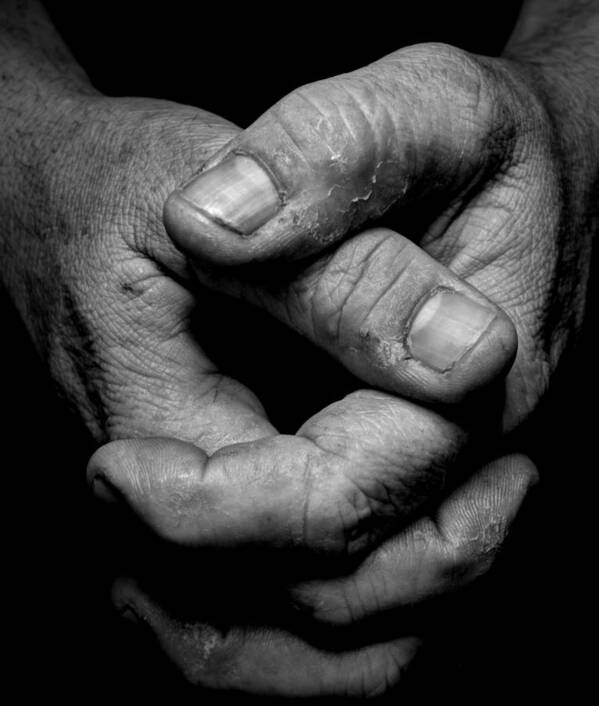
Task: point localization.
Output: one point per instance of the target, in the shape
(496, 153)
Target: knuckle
(479, 102)
(343, 521)
(369, 496)
(358, 599)
(328, 121)
(321, 529)
(147, 303)
(341, 603)
(336, 285)
(340, 526)
(337, 135)
(459, 75)
(365, 510)
(338, 309)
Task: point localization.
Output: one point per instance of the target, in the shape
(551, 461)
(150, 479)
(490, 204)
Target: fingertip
(153, 477)
(517, 471)
(452, 328)
(499, 345)
(458, 343)
(488, 361)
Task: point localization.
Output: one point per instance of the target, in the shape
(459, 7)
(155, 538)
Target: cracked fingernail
(238, 193)
(446, 326)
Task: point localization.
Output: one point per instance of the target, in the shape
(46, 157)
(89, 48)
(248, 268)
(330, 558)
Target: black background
(521, 635)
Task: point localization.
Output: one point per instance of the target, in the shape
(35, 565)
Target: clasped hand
(382, 480)
(410, 218)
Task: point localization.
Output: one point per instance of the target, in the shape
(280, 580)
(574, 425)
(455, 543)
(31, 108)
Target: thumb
(335, 154)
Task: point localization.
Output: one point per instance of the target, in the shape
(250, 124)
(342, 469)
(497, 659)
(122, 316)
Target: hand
(166, 484)
(107, 299)
(465, 155)
(134, 362)
(232, 623)
(514, 230)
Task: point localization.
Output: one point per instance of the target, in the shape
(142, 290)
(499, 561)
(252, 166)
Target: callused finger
(435, 555)
(337, 153)
(265, 660)
(350, 475)
(393, 315)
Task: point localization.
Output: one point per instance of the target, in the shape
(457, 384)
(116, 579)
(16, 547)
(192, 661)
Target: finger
(351, 474)
(434, 555)
(499, 245)
(337, 153)
(393, 315)
(266, 661)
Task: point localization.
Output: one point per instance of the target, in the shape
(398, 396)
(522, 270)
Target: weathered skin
(469, 141)
(484, 147)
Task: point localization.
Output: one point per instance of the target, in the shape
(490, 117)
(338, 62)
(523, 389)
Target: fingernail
(238, 193)
(104, 491)
(445, 327)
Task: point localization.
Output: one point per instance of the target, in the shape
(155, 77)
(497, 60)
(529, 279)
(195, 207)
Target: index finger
(350, 475)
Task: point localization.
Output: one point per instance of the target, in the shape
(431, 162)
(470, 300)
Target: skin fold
(484, 181)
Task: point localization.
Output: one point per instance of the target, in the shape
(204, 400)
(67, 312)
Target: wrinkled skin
(460, 151)
(108, 299)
